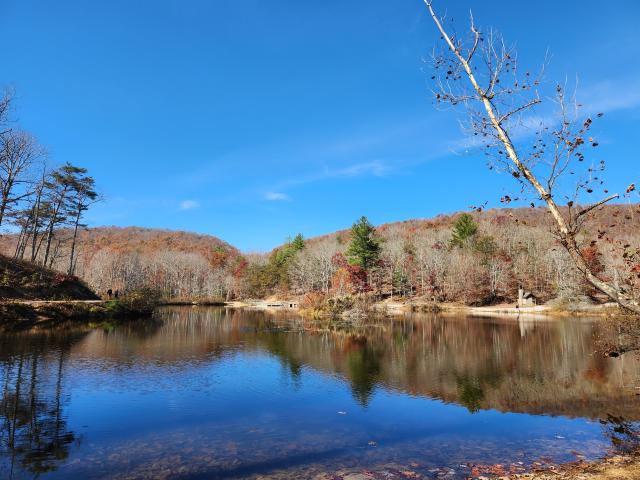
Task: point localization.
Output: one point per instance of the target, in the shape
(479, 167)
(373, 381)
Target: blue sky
(255, 120)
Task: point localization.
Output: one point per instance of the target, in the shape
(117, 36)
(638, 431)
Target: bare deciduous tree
(5, 107)
(18, 153)
(178, 275)
(482, 74)
(312, 268)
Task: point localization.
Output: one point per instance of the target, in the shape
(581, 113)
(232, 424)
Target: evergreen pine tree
(297, 243)
(463, 230)
(364, 249)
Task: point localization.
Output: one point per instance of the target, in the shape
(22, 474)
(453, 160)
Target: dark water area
(214, 393)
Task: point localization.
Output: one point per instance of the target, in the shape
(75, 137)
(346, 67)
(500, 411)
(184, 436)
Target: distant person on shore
(116, 294)
(109, 293)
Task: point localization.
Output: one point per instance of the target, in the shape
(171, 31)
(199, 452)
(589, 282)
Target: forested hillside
(477, 259)
(178, 264)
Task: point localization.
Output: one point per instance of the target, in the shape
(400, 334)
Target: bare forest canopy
(478, 258)
(180, 265)
(477, 261)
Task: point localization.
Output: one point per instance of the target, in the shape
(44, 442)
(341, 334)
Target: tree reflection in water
(624, 435)
(364, 367)
(470, 393)
(34, 436)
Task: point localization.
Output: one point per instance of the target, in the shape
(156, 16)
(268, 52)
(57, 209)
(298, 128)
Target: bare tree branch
(526, 106)
(592, 207)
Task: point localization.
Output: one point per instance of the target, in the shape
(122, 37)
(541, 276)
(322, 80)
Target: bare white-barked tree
(480, 72)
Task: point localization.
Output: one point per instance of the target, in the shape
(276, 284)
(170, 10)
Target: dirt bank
(23, 315)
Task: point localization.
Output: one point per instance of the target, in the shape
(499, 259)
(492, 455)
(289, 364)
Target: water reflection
(532, 367)
(198, 391)
(34, 436)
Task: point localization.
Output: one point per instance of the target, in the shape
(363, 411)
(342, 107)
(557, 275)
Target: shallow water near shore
(220, 393)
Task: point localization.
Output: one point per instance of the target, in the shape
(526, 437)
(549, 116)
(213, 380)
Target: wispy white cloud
(189, 205)
(276, 196)
(347, 153)
(611, 95)
(376, 168)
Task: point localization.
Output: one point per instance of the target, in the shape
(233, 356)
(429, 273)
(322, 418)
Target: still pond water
(215, 393)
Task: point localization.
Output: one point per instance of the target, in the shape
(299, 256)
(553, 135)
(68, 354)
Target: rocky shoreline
(614, 467)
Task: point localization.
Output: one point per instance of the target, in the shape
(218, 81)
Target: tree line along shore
(480, 259)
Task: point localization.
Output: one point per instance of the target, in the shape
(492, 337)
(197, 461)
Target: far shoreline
(398, 307)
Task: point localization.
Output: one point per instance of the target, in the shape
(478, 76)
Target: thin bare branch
(592, 207)
(526, 106)
(476, 39)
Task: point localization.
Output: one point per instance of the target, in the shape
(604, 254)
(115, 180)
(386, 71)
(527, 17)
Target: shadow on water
(267, 466)
(329, 455)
